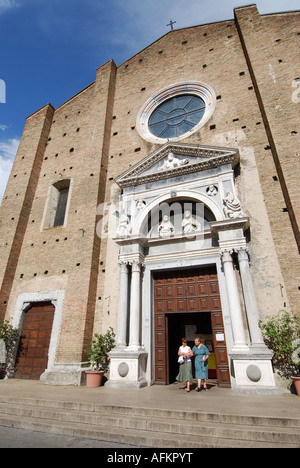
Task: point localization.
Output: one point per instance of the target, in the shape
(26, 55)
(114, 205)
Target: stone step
(196, 416)
(134, 437)
(126, 421)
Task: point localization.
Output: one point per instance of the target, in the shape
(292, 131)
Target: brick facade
(251, 63)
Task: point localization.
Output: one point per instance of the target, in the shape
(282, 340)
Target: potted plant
(9, 338)
(296, 362)
(98, 355)
(282, 335)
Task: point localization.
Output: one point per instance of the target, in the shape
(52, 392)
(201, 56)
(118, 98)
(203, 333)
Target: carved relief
(189, 223)
(166, 228)
(172, 163)
(212, 191)
(140, 205)
(124, 228)
(232, 207)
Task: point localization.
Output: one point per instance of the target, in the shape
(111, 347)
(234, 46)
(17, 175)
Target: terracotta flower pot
(296, 381)
(94, 378)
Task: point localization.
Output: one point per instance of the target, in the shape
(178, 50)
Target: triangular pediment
(174, 159)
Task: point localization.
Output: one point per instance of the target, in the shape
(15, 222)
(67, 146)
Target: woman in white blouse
(185, 369)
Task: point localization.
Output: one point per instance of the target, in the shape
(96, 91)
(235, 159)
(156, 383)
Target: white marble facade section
(210, 192)
(180, 209)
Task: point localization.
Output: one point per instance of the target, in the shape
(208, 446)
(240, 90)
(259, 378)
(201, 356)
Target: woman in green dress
(201, 354)
(185, 369)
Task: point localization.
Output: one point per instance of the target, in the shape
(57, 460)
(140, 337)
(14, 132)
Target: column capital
(226, 254)
(123, 265)
(137, 265)
(242, 250)
(243, 254)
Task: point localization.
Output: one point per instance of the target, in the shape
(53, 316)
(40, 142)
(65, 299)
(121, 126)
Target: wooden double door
(32, 358)
(182, 298)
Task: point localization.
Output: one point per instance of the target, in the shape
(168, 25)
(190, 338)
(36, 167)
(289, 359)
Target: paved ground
(18, 438)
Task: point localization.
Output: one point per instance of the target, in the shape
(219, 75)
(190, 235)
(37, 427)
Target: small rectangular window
(61, 207)
(57, 204)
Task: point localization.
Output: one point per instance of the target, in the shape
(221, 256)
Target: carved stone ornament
(232, 207)
(166, 228)
(123, 369)
(189, 223)
(172, 162)
(140, 205)
(124, 228)
(212, 191)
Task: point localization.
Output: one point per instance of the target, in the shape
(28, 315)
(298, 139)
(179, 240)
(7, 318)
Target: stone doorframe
(199, 260)
(24, 302)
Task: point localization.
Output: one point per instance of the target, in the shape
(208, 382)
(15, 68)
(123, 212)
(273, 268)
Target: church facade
(162, 200)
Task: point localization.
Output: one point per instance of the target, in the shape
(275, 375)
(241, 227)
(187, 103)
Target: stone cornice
(229, 224)
(149, 242)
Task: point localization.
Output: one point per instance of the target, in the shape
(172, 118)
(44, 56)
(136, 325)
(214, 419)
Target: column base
(127, 368)
(258, 390)
(253, 374)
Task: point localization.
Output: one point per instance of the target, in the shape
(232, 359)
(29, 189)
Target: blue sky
(50, 49)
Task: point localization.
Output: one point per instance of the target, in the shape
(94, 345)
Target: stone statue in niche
(124, 228)
(212, 191)
(171, 162)
(166, 228)
(189, 223)
(232, 207)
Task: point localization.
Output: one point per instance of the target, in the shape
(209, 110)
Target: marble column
(123, 306)
(128, 363)
(239, 336)
(250, 299)
(135, 305)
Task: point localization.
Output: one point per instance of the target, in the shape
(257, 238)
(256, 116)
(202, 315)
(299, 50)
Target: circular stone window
(176, 112)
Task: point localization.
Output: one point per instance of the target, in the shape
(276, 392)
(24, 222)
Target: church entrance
(32, 358)
(187, 325)
(187, 303)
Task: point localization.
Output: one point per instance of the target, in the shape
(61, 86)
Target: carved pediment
(173, 160)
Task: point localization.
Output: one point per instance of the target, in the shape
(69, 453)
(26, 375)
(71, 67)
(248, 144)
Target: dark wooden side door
(220, 349)
(188, 291)
(32, 358)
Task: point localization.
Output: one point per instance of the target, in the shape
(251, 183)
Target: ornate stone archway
(205, 175)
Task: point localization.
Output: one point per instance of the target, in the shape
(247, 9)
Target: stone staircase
(148, 427)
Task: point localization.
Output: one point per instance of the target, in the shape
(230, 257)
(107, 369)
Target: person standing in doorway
(185, 370)
(201, 354)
